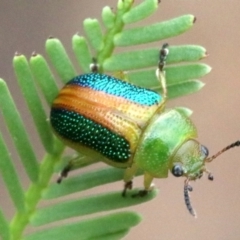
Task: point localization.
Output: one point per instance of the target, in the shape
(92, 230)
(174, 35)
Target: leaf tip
(51, 37)
(206, 54)
(2, 82)
(17, 54)
(18, 57)
(90, 21)
(194, 19)
(34, 54)
(208, 69)
(201, 85)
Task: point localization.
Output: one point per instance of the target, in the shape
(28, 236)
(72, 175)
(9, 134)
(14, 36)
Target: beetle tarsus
(163, 56)
(94, 67)
(127, 185)
(59, 180)
(141, 193)
(210, 177)
(63, 174)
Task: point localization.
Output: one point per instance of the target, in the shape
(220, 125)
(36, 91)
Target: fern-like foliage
(35, 75)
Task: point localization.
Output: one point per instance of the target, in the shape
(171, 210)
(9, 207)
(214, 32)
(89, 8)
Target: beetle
(128, 126)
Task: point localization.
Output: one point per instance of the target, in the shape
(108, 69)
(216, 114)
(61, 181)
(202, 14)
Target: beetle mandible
(127, 126)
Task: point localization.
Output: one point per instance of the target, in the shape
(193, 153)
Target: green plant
(35, 75)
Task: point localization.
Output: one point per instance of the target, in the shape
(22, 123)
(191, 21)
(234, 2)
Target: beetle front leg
(147, 186)
(160, 70)
(128, 176)
(94, 66)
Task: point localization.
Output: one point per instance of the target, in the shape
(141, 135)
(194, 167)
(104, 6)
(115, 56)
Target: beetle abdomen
(104, 114)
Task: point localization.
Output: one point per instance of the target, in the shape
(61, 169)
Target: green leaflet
(94, 228)
(10, 177)
(82, 52)
(44, 78)
(177, 74)
(114, 236)
(154, 32)
(60, 59)
(87, 205)
(28, 88)
(108, 17)
(141, 11)
(18, 132)
(184, 88)
(94, 33)
(181, 80)
(143, 58)
(174, 75)
(84, 181)
(5, 232)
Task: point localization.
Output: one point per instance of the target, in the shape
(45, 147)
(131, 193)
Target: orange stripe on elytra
(115, 113)
(132, 110)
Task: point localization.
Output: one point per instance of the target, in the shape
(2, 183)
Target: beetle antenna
(187, 189)
(235, 144)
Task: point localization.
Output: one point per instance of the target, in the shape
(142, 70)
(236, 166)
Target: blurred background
(24, 27)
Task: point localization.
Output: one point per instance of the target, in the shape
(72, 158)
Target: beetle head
(189, 161)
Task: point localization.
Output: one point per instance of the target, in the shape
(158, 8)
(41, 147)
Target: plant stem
(33, 194)
(109, 36)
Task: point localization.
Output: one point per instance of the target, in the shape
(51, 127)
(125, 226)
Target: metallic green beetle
(127, 126)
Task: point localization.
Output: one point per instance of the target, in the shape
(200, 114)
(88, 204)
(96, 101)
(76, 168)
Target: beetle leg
(75, 163)
(94, 66)
(127, 185)
(147, 181)
(147, 186)
(163, 56)
(162, 80)
(64, 173)
(160, 70)
(141, 193)
(128, 176)
(210, 176)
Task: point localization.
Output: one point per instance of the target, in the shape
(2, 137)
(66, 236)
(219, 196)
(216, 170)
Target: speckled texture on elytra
(77, 128)
(104, 114)
(111, 85)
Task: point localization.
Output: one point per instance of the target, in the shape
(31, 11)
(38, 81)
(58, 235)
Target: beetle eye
(204, 151)
(177, 170)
